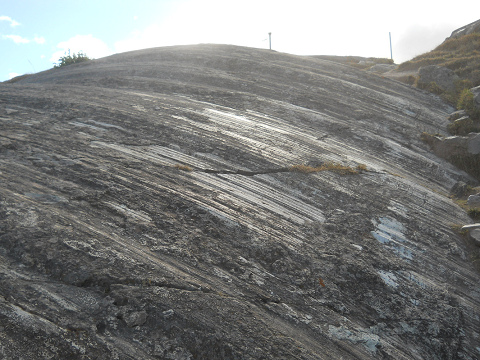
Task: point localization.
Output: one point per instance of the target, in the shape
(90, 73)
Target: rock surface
(442, 76)
(146, 213)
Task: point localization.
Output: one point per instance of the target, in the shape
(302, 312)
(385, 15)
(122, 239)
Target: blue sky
(35, 33)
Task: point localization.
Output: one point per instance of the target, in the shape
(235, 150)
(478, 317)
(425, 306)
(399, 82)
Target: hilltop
(222, 202)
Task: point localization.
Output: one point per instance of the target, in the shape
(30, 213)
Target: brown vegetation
(342, 169)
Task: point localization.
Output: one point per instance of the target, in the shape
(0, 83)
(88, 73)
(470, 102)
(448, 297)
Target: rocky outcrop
(440, 75)
(462, 151)
(473, 27)
(143, 214)
(452, 146)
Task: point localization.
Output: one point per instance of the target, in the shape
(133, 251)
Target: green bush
(72, 59)
(434, 88)
(466, 101)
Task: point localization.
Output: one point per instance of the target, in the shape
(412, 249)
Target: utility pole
(270, 40)
(391, 53)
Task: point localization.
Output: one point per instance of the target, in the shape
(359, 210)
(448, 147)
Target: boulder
(475, 236)
(451, 146)
(474, 200)
(459, 189)
(473, 143)
(442, 76)
(136, 318)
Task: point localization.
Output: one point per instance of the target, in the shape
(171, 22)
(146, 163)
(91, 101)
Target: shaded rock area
(145, 213)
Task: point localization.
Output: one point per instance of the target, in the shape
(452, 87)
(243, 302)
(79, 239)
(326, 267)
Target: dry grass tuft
(183, 167)
(342, 169)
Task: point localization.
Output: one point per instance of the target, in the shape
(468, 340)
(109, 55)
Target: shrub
(434, 88)
(410, 79)
(71, 59)
(466, 101)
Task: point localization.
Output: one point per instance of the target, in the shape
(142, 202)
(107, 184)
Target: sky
(34, 34)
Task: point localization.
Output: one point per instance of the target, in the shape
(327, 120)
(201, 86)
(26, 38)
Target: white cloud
(12, 75)
(17, 39)
(12, 22)
(89, 45)
(39, 39)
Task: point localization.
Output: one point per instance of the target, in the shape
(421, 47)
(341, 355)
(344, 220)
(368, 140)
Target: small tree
(71, 59)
